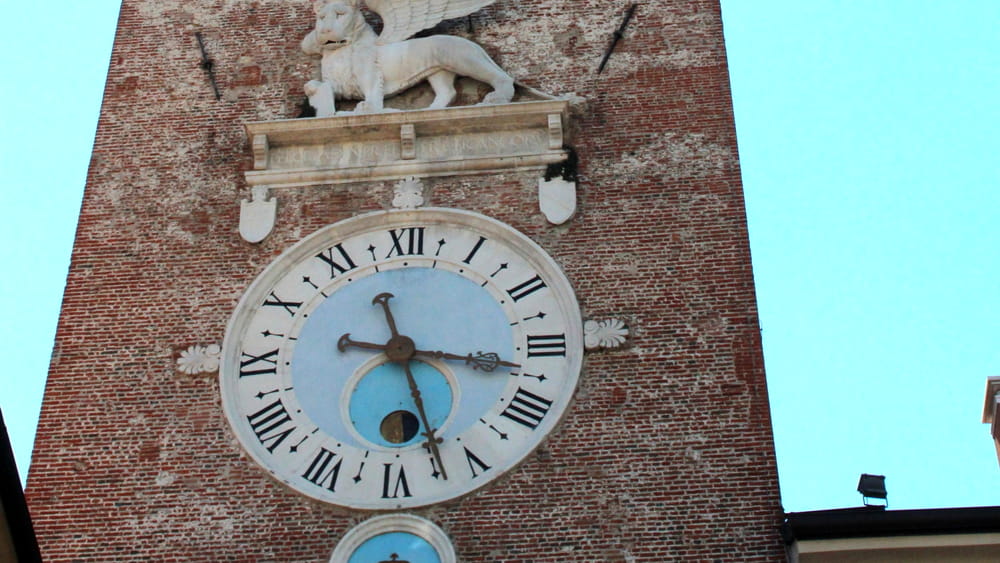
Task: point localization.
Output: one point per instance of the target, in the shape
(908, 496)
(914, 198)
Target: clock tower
(403, 280)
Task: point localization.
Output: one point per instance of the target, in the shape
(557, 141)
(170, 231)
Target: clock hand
(400, 349)
(486, 361)
(346, 341)
(432, 440)
(383, 300)
(395, 342)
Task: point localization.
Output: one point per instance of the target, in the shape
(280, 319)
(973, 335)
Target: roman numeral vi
(400, 483)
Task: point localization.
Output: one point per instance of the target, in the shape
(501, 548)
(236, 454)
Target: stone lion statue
(357, 64)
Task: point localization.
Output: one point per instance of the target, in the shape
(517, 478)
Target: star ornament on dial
(400, 359)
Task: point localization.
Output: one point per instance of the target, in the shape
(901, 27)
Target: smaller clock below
(395, 538)
(400, 547)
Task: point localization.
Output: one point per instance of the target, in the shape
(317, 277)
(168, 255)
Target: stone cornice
(400, 145)
(394, 145)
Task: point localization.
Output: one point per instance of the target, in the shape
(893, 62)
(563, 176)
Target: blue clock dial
(398, 547)
(442, 309)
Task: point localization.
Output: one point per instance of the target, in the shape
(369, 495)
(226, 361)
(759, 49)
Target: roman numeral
(474, 462)
(475, 249)
(321, 472)
(266, 363)
(406, 242)
(525, 289)
(291, 306)
(337, 265)
(546, 345)
(400, 482)
(270, 424)
(527, 409)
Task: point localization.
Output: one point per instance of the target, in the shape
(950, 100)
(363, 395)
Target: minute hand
(486, 361)
(432, 439)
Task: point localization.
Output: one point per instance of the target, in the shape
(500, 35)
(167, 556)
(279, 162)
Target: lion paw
(368, 107)
(497, 97)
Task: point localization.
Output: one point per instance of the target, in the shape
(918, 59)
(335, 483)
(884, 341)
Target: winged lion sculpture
(357, 64)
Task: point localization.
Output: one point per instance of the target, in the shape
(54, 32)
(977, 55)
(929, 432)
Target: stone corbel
(555, 131)
(260, 152)
(556, 196)
(407, 142)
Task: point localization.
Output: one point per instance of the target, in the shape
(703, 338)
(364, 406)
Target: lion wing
(402, 18)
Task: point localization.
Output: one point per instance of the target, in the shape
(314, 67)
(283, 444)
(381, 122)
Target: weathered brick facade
(666, 453)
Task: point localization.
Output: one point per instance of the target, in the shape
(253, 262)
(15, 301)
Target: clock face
(401, 358)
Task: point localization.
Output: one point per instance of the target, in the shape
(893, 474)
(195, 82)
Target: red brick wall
(666, 453)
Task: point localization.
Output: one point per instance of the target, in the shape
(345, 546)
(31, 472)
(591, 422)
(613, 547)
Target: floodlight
(873, 486)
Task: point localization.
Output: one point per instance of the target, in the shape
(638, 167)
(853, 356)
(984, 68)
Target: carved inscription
(346, 155)
(500, 143)
(351, 155)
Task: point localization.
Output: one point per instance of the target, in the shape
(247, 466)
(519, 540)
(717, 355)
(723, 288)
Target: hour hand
(383, 300)
(485, 361)
(345, 341)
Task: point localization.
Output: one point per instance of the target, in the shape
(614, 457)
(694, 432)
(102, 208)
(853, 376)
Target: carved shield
(557, 199)
(257, 218)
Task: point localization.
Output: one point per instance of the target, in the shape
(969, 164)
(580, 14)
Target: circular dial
(402, 358)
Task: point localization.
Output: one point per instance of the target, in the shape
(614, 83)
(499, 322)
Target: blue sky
(868, 140)
(53, 71)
